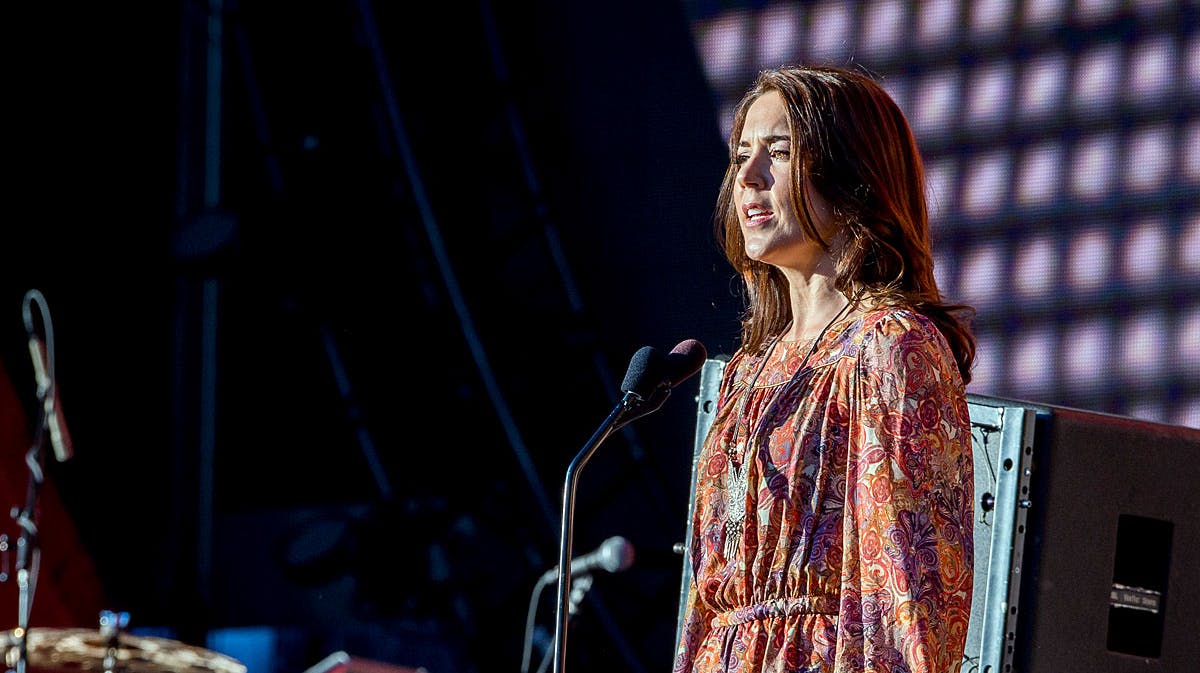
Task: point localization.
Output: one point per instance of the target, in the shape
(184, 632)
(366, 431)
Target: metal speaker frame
(1002, 438)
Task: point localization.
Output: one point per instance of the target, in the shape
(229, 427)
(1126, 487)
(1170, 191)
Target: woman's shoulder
(900, 334)
(896, 321)
(898, 327)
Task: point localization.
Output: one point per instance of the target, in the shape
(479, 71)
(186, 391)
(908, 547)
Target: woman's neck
(815, 302)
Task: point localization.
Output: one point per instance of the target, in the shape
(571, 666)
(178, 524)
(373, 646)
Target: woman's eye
(777, 154)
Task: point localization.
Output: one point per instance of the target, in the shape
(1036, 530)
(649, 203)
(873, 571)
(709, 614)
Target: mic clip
(635, 406)
(579, 589)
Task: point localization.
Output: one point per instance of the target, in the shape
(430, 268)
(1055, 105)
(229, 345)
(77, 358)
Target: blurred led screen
(1062, 150)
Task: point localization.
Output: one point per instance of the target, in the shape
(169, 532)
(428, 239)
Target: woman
(834, 503)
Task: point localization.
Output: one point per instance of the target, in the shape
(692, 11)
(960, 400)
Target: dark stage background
(414, 326)
(336, 304)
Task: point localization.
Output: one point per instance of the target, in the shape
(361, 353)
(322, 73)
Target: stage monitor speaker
(1112, 560)
(1085, 524)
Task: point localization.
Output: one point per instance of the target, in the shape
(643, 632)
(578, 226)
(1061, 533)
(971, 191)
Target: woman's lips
(756, 215)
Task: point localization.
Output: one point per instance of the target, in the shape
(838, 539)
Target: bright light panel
(1062, 149)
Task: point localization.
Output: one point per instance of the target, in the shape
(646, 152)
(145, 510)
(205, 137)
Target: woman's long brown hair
(853, 143)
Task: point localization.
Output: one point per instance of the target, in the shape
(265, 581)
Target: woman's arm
(908, 548)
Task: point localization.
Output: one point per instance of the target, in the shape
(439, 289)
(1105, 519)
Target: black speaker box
(1112, 558)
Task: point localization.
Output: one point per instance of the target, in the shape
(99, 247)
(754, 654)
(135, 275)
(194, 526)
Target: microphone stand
(631, 406)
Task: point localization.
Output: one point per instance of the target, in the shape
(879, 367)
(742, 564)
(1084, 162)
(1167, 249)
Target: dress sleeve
(908, 557)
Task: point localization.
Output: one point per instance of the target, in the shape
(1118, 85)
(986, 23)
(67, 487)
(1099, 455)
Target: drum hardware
(109, 649)
(111, 625)
(48, 428)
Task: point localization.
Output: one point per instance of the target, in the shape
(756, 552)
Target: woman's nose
(754, 171)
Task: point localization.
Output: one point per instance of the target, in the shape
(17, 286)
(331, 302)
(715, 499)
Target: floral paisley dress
(853, 547)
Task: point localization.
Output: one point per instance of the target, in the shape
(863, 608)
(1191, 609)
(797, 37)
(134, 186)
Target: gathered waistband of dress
(778, 607)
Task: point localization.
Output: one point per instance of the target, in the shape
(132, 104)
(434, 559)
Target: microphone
(684, 360)
(650, 370)
(614, 554)
(60, 438)
(647, 369)
(47, 387)
(655, 375)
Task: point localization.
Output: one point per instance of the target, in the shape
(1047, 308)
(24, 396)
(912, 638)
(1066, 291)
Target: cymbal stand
(112, 624)
(28, 556)
(12, 642)
(28, 549)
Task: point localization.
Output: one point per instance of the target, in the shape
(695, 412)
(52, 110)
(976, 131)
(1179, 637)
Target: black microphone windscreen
(647, 370)
(684, 360)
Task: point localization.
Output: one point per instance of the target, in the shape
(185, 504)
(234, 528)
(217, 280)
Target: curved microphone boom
(647, 385)
(613, 555)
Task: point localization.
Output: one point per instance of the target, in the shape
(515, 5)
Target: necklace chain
(737, 481)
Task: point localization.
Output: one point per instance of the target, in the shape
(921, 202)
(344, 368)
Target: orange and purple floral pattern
(855, 552)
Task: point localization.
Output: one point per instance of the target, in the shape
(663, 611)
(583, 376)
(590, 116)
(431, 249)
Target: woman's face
(762, 192)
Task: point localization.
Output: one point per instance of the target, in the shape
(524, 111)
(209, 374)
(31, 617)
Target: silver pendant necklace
(737, 482)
